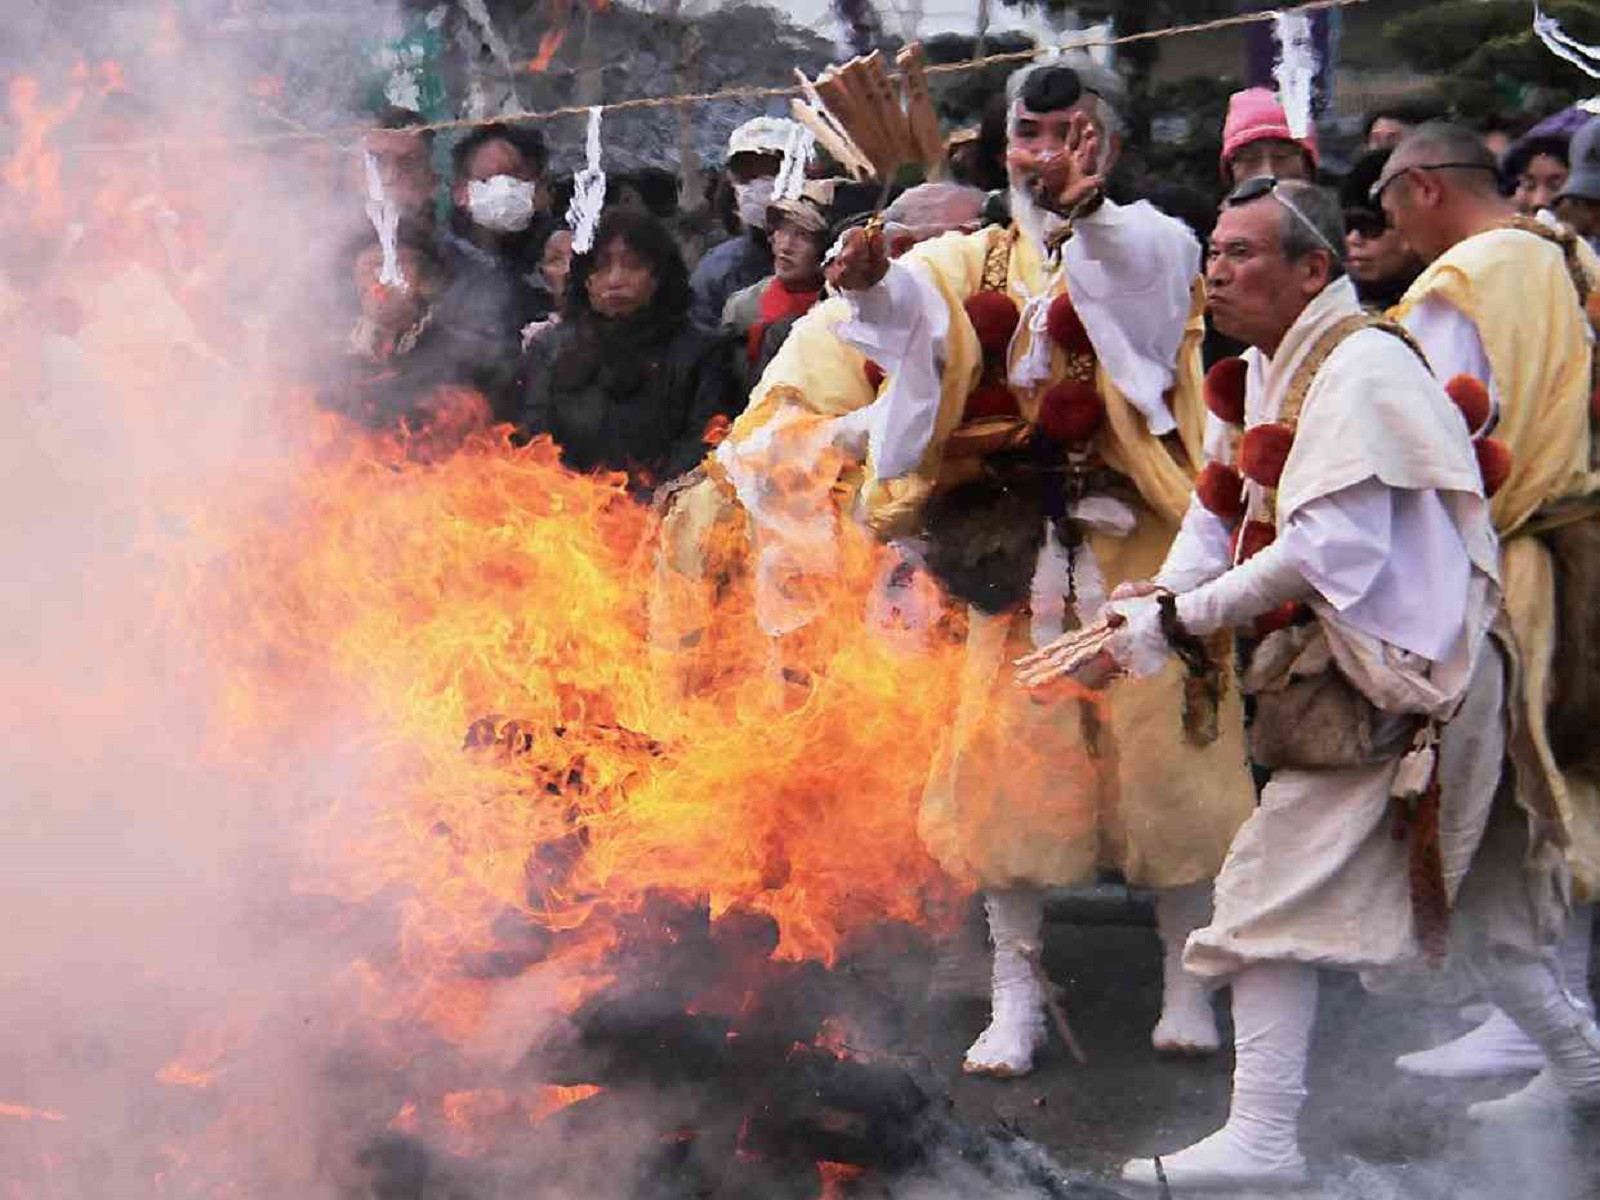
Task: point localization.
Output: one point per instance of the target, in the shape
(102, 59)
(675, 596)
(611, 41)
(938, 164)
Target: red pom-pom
(1065, 327)
(1251, 539)
(994, 318)
(990, 399)
(874, 374)
(1221, 490)
(1070, 412)
(1224, 390)
(1494, 463)
(1278, 618)
(1472, 398)
(1263, 450)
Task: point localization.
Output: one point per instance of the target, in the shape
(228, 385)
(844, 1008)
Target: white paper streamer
(1296, 69)
(792, 172)
(1564, 46)
(385, 217)
(588, 192)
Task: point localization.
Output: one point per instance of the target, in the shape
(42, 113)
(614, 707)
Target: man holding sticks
(1346, 526)
(1024, 406)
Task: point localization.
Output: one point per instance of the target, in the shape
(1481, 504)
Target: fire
(553, 1098)
(461, 627)
(493, 594)
(549, 43)
(19, 1112)
(836, 1178)
(33, 172)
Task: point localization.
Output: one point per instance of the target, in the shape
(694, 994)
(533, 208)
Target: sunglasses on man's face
(1365, 222)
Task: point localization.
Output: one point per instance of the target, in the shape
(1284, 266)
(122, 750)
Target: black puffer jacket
(634, 396)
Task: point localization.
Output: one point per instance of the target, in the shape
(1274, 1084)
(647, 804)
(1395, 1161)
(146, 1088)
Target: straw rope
(343, 132)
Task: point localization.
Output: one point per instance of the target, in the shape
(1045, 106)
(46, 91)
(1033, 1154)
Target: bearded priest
(1033, 415)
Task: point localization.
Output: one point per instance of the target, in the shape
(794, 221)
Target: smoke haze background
(155, 883)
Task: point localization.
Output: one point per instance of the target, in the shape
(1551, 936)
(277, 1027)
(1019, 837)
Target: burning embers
(708, 1067)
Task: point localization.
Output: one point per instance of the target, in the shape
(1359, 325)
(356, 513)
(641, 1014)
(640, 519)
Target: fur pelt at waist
(984, 538)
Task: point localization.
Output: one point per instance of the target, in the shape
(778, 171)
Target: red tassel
(1494, 463)
(990, 399)
(1251, 539)
(1282, 617)
(1071, 411)
(1472, 398)
(1221, 489)
(1065, 327)
(1263, 450)
(994, 318)
(1224, 390)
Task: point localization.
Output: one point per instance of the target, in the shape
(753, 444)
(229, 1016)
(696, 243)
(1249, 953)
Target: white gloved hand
(1139, 646)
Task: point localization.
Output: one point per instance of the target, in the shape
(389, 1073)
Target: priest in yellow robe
(1024, 406)
(1503, 300)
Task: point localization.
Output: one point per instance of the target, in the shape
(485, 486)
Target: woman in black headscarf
(626, 382)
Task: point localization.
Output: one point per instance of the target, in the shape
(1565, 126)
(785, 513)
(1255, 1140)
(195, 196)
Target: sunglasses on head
(1375, 192)
(1365, 222)
(1267, 185)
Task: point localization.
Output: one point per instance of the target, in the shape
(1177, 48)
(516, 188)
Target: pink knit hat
(1254, 114)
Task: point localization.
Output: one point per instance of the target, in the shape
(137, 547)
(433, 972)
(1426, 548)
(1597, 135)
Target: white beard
(1035, 222)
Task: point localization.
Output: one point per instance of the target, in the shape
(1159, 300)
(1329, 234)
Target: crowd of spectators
(631, 356)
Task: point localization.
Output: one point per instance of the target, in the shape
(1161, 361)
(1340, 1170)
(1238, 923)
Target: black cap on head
(1354, 192)
(1051, 89)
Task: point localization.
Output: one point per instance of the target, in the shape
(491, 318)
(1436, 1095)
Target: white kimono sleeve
(901, 323)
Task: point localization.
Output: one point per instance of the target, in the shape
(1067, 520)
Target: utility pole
(686, 78)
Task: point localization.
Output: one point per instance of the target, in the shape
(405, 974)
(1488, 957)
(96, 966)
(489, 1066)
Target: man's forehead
(1024, 113)
(1245, 222)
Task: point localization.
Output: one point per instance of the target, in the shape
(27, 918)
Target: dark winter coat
(635, 396)
(735, 264)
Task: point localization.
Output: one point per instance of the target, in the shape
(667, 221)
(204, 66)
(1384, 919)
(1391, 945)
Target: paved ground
(1372, 1133)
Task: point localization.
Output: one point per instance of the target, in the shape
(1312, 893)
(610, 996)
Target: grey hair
(1446, 142)
(927, 205)
(1320, 208)
(1108, 97)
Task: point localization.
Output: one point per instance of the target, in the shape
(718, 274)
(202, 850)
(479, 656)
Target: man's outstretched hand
(859, 259)
(1062, 181)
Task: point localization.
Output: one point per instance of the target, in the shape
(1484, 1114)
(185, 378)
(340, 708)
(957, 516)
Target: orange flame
(18, 1112)
(33, 172)
(495, 591)
(835, 1178)
(549, 43)
(553, 1098)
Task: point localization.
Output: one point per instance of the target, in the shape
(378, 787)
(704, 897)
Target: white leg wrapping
(1016, 1030)
(1577, 946)
(1498, 1046)
(1274, 1005)
(1531, 994)
(1188, 1023)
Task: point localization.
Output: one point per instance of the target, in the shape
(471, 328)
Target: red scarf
(777, 302)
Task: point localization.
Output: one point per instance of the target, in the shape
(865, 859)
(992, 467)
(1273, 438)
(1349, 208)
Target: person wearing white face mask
(501, 212)
(755, 152)
(499, 221)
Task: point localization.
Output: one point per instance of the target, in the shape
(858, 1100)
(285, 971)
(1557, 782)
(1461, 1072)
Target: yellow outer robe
(1015, 794)
(1515, 289)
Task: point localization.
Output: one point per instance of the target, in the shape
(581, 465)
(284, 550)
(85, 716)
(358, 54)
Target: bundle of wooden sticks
(855, 112)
